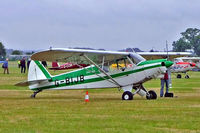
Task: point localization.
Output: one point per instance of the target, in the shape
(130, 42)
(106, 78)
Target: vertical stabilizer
(55, 64)
(37, 71)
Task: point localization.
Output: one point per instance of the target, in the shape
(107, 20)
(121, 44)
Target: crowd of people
(23, 64)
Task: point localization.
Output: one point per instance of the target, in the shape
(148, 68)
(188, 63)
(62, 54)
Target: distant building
(18, 57)
(131, 50)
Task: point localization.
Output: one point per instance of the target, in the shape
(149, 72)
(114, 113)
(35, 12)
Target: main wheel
(187, 76)
(152, 95)
(178, 76)
(127, 95)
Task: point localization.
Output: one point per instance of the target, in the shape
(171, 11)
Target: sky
(107, 24)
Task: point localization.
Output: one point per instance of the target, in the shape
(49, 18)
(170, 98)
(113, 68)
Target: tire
(179, 76)
(153, 95)
(127, 95)
(187, 76)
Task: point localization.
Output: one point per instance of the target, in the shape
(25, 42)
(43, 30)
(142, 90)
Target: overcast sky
(108, 24)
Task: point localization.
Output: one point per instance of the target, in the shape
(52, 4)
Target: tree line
(14, 52)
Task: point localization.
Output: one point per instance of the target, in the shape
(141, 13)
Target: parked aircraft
(182, 67)
(195, 60)
(98, 74)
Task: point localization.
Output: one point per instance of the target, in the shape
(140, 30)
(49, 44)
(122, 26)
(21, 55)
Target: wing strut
(115, 82)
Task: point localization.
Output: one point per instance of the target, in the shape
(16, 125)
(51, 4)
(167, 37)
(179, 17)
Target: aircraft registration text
(70, 80)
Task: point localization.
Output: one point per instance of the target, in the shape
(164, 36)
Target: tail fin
(55, 64)
(37, 71)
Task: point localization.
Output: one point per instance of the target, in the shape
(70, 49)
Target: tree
(190, 40)
(17, 52)
(2, 51)
(30, 53)
(181, 45)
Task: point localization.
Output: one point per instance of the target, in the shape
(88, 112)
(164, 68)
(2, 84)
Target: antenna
(167, 50)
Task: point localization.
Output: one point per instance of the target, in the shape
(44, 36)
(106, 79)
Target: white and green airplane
(98, 74)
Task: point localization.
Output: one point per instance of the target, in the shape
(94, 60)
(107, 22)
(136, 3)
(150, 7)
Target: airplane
(98, 74)
(195, 60)
(69, 65)
(182, 67)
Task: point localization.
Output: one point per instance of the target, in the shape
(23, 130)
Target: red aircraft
(56, 66)
(182, 67)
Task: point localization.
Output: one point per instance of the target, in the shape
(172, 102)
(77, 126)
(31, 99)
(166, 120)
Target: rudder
(37, 71)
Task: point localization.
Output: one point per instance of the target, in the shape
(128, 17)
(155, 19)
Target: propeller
(168, 69)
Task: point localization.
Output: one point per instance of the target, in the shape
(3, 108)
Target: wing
(75, 55)
(160, 55)
(193, 59)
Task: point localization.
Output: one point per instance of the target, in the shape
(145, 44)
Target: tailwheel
(35, 93)
(127, 95)
(178, 76)
(152, 95)
(187, 76)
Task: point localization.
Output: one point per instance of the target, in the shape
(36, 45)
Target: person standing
(5, 66)
(164, 81)
(44, 63)
(19, 64)
(23, 65)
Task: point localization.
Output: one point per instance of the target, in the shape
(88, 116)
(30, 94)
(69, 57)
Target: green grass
(66, 111)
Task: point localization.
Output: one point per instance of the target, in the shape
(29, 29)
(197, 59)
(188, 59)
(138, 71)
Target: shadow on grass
(96, 99)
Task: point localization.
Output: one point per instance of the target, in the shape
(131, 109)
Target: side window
(105, 66)
(121, 64)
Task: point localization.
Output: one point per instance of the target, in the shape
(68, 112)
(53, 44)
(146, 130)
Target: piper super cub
(98, 74)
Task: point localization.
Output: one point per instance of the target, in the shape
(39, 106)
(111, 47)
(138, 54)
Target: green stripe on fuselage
(84, 71)
(151, 62)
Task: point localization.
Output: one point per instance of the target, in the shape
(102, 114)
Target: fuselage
(91, 77)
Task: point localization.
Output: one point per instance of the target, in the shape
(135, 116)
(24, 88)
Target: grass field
(66, 111)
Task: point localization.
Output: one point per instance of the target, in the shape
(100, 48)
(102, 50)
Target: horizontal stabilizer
(27, 83)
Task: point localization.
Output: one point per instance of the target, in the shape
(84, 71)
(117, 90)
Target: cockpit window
(136, 58)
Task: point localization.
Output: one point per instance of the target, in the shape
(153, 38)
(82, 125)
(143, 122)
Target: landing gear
(35, 93)
(178, 76)
(187, 76)
(127, 95)
(140, 90)
(152, 95)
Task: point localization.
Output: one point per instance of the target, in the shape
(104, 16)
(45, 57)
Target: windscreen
(136, 58)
